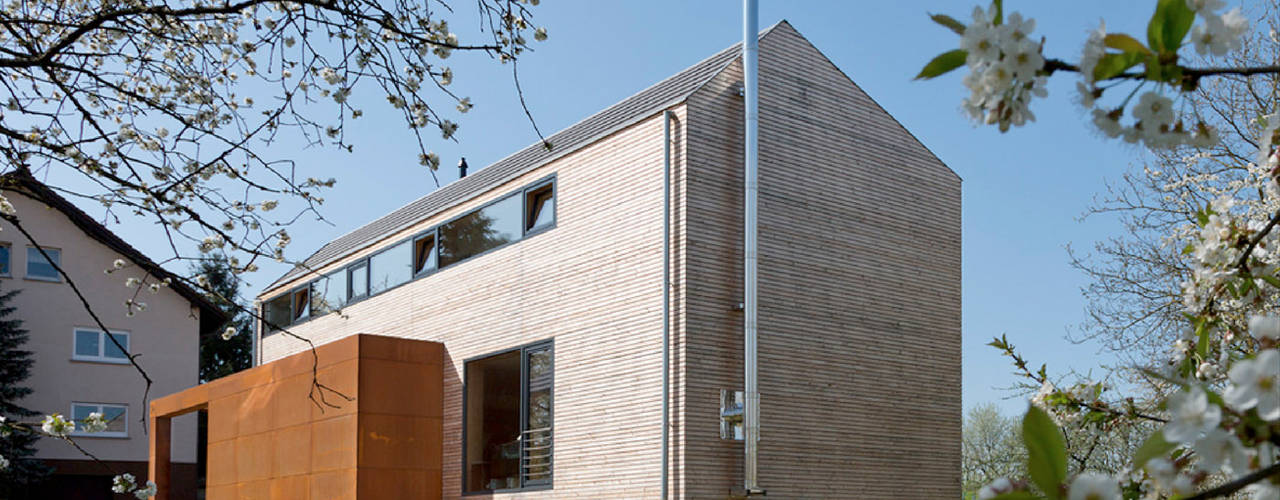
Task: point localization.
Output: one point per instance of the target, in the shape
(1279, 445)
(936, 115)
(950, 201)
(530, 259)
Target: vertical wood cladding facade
(859, 298)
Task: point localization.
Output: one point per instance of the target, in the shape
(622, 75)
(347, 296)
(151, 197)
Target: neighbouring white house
(78, 369)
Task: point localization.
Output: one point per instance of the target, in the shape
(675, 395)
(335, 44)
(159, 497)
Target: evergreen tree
(220, 357)
(16, 446)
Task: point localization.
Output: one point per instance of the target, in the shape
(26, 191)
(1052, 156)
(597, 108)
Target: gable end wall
(859, 290)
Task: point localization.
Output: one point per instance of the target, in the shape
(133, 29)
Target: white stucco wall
(166, 335)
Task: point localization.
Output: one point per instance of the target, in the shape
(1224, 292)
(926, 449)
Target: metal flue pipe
(751, 417)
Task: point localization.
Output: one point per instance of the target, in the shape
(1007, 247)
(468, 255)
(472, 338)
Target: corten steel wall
(859, 290)
(267, 439)
(166, 334)
(592, 284)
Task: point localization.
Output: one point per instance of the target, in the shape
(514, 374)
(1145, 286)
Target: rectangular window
(358, 276)
(93, 345)
(391, 267)
(4, 259)
(481, 230)
(424, 254)
(40, 268)
(301, 303)
(279, 312)
(329, 293)
(117, 417)
(539, 207)
(508, 403)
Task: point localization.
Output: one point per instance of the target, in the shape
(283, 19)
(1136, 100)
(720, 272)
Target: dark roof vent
(462, 168)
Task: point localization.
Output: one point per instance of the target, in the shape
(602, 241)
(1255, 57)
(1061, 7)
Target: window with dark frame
(508, 438)
(358, 276)
(503, 221)
(279, 312)
(301, 303)
(481, 230)
(540, 207)
(424, 254)
(329, 293)
(391, 267)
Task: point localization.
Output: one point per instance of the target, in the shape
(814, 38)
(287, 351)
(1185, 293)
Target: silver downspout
(751, 419)
(666, 294)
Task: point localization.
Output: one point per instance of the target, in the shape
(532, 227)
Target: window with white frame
(116, 415)
(94, 345)
(41, 268)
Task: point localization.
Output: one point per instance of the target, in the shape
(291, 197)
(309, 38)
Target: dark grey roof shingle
(639, 106)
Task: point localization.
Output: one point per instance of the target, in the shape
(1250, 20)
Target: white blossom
(1205, 7)
(1255, 383)
(1265, 327)
(1154, 111)
(56, 425)
(228, 333)
(1093, 486)
(146, 492)
(124, 483)
(1190, 415)
(1219, 35)
(1220, 449)
(6, 208)
(4, 463)
(464, 104)
(996, 488)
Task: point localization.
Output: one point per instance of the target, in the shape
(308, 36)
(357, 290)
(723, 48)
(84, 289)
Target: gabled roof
(642, 105)
(21, 181)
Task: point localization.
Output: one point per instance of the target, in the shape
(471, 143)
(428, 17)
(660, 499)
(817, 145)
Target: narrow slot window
(359, 278)
(301, 303)
(424, 254)
(540, 207)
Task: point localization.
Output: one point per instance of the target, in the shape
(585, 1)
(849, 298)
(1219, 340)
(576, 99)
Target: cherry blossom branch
(1238, 483)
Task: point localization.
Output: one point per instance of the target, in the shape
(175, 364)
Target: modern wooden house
(541, 278)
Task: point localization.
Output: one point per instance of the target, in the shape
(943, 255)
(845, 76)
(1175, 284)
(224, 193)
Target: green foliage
(1170, 23)
(1046, 452)
(1017, 495)
(17, 446)
(1113, 64)
(1125, 43)
(949, 22)
(944, 63)
(218, 357)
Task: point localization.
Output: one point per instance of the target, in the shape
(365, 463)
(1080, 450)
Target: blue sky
(1023, 191)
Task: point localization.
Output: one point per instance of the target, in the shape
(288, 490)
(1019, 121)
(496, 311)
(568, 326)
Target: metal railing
(535, 456)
